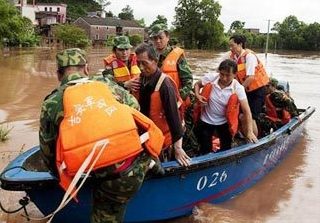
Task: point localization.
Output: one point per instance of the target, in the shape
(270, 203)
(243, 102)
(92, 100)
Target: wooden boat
(214, 178)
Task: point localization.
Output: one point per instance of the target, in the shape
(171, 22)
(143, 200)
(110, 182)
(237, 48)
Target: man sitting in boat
(279, 109)
(75, 120)
(160, 100)
(121, 65)
(221, 108)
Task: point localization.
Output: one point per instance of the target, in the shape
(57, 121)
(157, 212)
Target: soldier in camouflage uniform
(281, 100)
(111, 191)
(160, 36)
(121, 51)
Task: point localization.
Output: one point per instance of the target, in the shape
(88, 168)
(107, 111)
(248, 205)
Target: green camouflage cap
(157, 29)
(71, 57)
(122, 42)
(273, 82)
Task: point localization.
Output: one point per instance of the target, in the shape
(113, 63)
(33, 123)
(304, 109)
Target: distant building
(100, 29)
(51, 13)
(42, 13)
(253, 30)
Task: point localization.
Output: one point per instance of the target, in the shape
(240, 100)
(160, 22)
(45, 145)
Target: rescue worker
(172, 61)
(215, 118)
(279, 109)
(159, 100)
(115, 183)
(251, 74)
(121, 65)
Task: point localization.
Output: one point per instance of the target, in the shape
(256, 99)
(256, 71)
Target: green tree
(160, 19)
(236, 26)
(103, 3)
(126, 13)
(311, 35)
(135, 39)
(15, 29)
(71, 35)
(141, 22)
(197, 23)
(290, 32)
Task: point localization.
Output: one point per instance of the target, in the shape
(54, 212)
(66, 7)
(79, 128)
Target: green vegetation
(296, 35)
(291, 34)
(135, 40)
(126, 13)
(71, 35)
(197, 24)
(14, 29)
(4, 132)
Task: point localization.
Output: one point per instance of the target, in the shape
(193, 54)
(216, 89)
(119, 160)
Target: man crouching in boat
(279, 109)
(221, 108)
(82, 118)
(160, 101)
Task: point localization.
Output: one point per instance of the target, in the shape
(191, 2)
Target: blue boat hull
(213, 178)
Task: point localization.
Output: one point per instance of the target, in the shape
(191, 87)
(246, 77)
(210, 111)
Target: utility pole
(267, 43)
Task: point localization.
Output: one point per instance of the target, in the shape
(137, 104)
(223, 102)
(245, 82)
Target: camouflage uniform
(280, 100)
(110, 192)
(184, 70)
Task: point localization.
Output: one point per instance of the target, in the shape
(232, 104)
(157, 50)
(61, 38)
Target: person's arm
(169, 103)
(121, 94)
(186, 78)
(251, 63)
(132, 84)
(247, 121)
(197, 86)
(48, 132)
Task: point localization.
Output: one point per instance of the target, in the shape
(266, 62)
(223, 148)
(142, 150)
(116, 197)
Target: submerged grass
(4, 132)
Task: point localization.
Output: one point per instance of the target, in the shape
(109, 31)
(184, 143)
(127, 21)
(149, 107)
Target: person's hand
(252, 138)
(202, 99)
(133, 84)
(182, 157)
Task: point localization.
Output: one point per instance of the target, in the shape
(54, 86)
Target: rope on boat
(23, 201)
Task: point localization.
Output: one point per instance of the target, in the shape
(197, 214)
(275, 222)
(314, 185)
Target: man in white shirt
(213, 118)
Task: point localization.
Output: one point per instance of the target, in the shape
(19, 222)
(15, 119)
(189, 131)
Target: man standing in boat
(250, 73)
(220, 111)
(121, 65)
(160, 101)
(172, 61)
(70, 120)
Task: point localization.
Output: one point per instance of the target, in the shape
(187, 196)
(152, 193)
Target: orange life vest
(205, 92)
(272, 112)
(232, 109)
(157, 113)
(92, 115)
(260, 76)
(169, 65)
(120, 70)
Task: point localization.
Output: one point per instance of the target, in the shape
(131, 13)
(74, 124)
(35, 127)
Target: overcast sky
(254, 13)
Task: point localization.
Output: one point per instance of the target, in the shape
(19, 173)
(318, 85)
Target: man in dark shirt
(158, 100)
